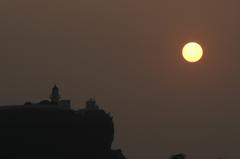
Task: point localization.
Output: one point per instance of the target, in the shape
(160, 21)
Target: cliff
(45, 133)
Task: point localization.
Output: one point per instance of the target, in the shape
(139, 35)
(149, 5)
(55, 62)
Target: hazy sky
(127, 54)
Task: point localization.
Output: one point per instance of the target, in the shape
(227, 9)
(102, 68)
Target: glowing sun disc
(192, 52)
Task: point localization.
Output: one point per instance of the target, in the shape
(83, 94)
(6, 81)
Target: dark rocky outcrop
(57, 134)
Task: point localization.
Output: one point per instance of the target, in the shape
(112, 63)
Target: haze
(127, 54)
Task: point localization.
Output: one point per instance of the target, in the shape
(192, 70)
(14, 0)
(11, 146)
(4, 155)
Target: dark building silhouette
(51, 129)
(55, 96)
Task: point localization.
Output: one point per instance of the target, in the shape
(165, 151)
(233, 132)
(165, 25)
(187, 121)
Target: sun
(192, 52)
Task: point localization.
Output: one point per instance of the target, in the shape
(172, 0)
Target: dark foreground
(56, 134)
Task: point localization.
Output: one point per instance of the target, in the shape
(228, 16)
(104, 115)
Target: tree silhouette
(178, 156)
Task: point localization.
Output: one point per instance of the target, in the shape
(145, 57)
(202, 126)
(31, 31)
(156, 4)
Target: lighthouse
(55, 96)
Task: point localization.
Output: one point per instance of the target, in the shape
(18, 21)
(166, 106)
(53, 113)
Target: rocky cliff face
(56, 134)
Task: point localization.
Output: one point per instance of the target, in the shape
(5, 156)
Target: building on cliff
(54, 102)
(51, 129)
